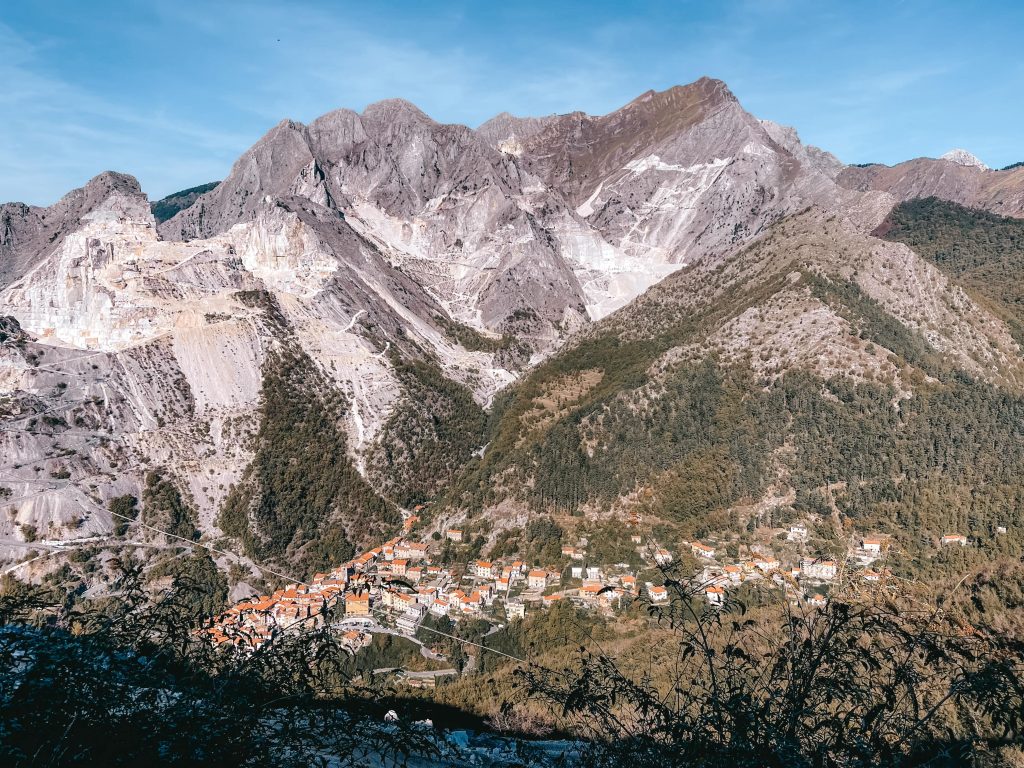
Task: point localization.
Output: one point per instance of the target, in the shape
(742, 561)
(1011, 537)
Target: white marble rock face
(365, 228)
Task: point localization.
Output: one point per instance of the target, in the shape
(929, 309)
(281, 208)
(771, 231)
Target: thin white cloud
(222, 73)
(53, 131)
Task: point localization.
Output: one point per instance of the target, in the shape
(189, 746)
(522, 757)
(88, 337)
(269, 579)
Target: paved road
(376, 628)
(424, 674)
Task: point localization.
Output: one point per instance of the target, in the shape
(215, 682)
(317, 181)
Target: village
(394, 587)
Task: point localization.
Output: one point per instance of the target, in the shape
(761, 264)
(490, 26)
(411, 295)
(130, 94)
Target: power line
(470, 642)
(209, 547)
(290, 579)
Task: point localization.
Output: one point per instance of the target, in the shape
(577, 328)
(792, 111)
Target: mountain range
(669, 306)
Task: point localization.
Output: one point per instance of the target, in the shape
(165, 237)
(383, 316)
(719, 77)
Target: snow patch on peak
(963, 157)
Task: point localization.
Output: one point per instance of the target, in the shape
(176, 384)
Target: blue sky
(173, 92)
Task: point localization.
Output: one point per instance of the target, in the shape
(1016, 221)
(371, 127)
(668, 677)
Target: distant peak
(392, 108)
(707, 91)
(963, 157)
(109, 181)
(506, 127)
(283, 127)
(712, 85)
(283, 132)
(109, 193)
(708, 87)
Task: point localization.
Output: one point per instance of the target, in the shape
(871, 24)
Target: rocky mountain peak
(706, 91)
(113, 194)
(788, 138)
(332, 134)
(269, 168)
(395, 110)
(111, 181)
(963, 157)
(504, 127)
(106, 189)
(29, 233)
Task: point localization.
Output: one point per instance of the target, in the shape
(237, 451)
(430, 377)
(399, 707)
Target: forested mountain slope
(982, 251)
(818, 365)
(327, 336)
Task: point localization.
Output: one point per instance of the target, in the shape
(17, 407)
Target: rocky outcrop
(28, 233)
(963, 157)
(507, 132)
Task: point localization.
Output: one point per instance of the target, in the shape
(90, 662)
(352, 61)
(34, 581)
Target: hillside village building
(702, 550)
(573, 553)
(537, 579)
(822, 570)
(872, 545)
(357, 605)
(548, 600)
(658, 594)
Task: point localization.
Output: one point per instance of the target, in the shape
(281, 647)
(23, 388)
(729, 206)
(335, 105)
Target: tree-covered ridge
(425, 442)
(981, 250)
(301, 499)
(167, 207)
(612, 427)
(471, 339)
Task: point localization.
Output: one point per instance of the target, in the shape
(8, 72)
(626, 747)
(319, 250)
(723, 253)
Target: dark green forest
(428, 438)
(163, 506)
(301, 500)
